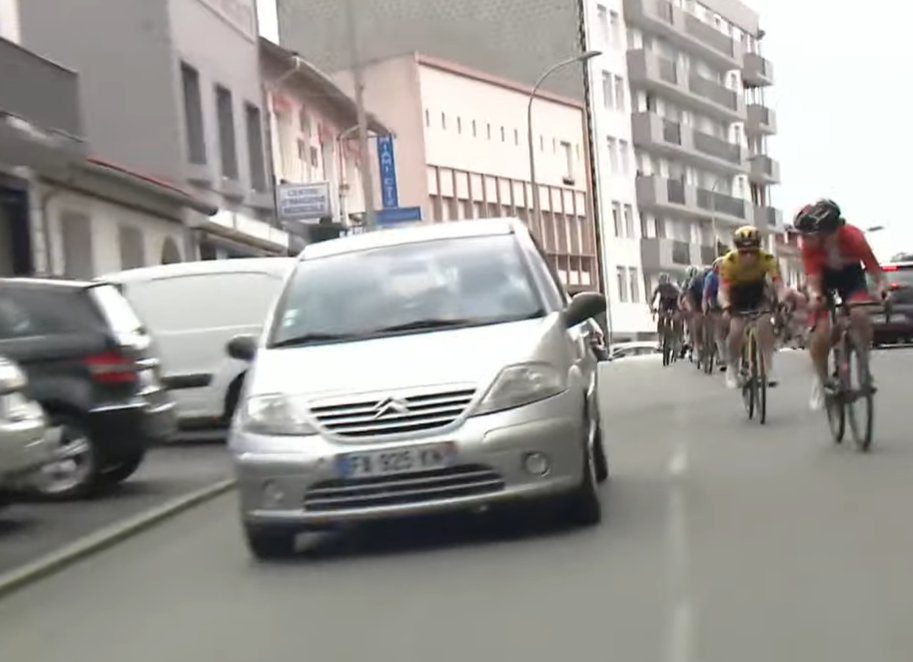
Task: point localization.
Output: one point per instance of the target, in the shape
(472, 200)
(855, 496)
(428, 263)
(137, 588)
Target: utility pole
(358, 76)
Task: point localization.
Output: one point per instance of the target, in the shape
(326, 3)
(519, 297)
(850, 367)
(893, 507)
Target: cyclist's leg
(853, 288)
(734, 344)
(766, 343)
(722, 333)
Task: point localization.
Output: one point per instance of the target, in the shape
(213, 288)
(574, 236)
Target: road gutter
(108, 536)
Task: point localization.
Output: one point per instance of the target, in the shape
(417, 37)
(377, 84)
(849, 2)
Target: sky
(843, 95)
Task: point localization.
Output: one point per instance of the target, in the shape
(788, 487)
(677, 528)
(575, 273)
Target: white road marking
(681, 617)
(678, 463)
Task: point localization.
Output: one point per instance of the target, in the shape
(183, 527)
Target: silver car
(25, 445)
(414, 371)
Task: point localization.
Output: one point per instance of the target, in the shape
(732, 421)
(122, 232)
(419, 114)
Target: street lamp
(582, 57)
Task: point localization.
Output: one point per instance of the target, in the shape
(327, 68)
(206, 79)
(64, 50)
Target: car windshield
(406, 288)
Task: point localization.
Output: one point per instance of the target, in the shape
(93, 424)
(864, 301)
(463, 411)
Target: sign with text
(304, 202)
(388, 193)
(386, 218)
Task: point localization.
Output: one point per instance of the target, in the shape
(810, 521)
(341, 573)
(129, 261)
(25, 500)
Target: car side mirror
(584, 306)
(243, 348)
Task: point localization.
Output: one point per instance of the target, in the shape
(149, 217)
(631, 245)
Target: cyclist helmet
(823, 217)
(691, 272)
(747, 237)
(664, 279)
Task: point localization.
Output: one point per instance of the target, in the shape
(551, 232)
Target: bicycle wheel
(748, 387)
(759, 377)
(833, 403)
(860, 398)
(665, 349)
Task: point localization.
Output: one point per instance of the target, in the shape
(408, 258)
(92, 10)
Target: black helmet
(823, 217)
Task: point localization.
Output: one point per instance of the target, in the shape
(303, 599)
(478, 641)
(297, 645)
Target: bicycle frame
(752, 368)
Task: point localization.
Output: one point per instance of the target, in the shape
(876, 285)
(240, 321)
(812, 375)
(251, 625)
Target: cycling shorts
(848, 282)
(744, 298)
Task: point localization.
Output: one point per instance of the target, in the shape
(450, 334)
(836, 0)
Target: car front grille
(450, 483)
(390, 415)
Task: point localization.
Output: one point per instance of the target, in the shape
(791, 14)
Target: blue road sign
(388, 217)
(388, 191)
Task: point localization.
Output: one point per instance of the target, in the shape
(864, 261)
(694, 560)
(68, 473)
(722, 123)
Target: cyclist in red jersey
(833, 255)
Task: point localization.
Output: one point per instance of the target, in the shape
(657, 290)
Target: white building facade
(680, 123)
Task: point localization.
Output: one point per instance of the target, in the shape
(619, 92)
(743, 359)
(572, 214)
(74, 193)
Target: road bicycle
(709, 350)
(851, 396)
(668, 343)
(752, 371)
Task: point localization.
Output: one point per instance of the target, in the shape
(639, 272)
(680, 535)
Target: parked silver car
(24, 443)
(415, 371)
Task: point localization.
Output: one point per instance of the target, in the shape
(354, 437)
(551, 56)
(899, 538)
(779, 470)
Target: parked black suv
(89, 365)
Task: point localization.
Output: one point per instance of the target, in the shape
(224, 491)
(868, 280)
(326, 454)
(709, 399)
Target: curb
(108, 536)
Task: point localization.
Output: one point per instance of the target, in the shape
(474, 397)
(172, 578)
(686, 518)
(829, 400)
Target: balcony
(756, 71)
(653, 72)
(40, 123)
(670, 254)
(761, 120)
(770, 218)
(764, 170)
(673, 196)
(686, 31)
(661, 135)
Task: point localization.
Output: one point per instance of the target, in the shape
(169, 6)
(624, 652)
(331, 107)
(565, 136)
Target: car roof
(413, 235)
(234, 265)
(48, 283)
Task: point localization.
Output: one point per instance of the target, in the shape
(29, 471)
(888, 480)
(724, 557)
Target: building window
(427, 118)
(315, 157)
(459, 125)
(303, 154)
(78, 247)
(444, 121)
(541, 143)
(255, 148)
(616, 219)
(474, 132)
(503, 135)
(193, 114)
(488, 130)
(619, 93)
(622, 284)
(629, 222)
(623, 150)
(635, 285)
(603, 16)
(615, 23)
(607, 97)
(613, 153)
(132, 254)
(226, 115)
(516, 137)
(569, 161)
(170, 252)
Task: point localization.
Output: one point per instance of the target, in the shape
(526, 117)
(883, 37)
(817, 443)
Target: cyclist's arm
(867, 256)
(773, 270)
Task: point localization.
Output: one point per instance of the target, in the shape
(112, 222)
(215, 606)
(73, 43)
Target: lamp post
(582, 57)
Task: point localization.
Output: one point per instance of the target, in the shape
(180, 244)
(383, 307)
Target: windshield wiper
(425, 324)
(306, 338)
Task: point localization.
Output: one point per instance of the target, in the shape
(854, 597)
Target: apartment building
(461, 152)
(677, 113)
(172, 89)
(63, 212)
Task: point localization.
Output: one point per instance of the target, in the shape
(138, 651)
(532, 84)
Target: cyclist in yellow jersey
(744, 273)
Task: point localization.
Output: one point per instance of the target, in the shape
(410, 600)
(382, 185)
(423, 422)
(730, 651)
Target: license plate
(395, 461)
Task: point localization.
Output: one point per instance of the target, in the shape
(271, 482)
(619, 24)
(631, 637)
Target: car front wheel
(583, 506)
(75, 467)
(120, 471)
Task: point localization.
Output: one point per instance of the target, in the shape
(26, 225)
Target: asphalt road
(722, 541)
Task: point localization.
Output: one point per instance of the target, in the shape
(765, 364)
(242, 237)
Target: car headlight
(522, 384)
(274, 414)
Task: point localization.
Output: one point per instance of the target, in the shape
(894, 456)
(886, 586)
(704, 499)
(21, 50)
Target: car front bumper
(275, 474)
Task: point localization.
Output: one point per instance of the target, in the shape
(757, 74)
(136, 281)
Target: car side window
(35, 312)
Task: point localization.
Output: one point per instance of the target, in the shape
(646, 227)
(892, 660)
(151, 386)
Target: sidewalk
(31, 530)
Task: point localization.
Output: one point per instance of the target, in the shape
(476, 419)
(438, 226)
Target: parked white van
(192, 309)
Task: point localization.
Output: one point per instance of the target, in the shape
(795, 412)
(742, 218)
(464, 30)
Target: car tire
(120, 471)
(74, 474)
(600, 461)
(270, 543)
(583, 506)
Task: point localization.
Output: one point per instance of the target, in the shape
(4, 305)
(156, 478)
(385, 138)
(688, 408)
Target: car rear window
(34, 311)
(116, 309)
